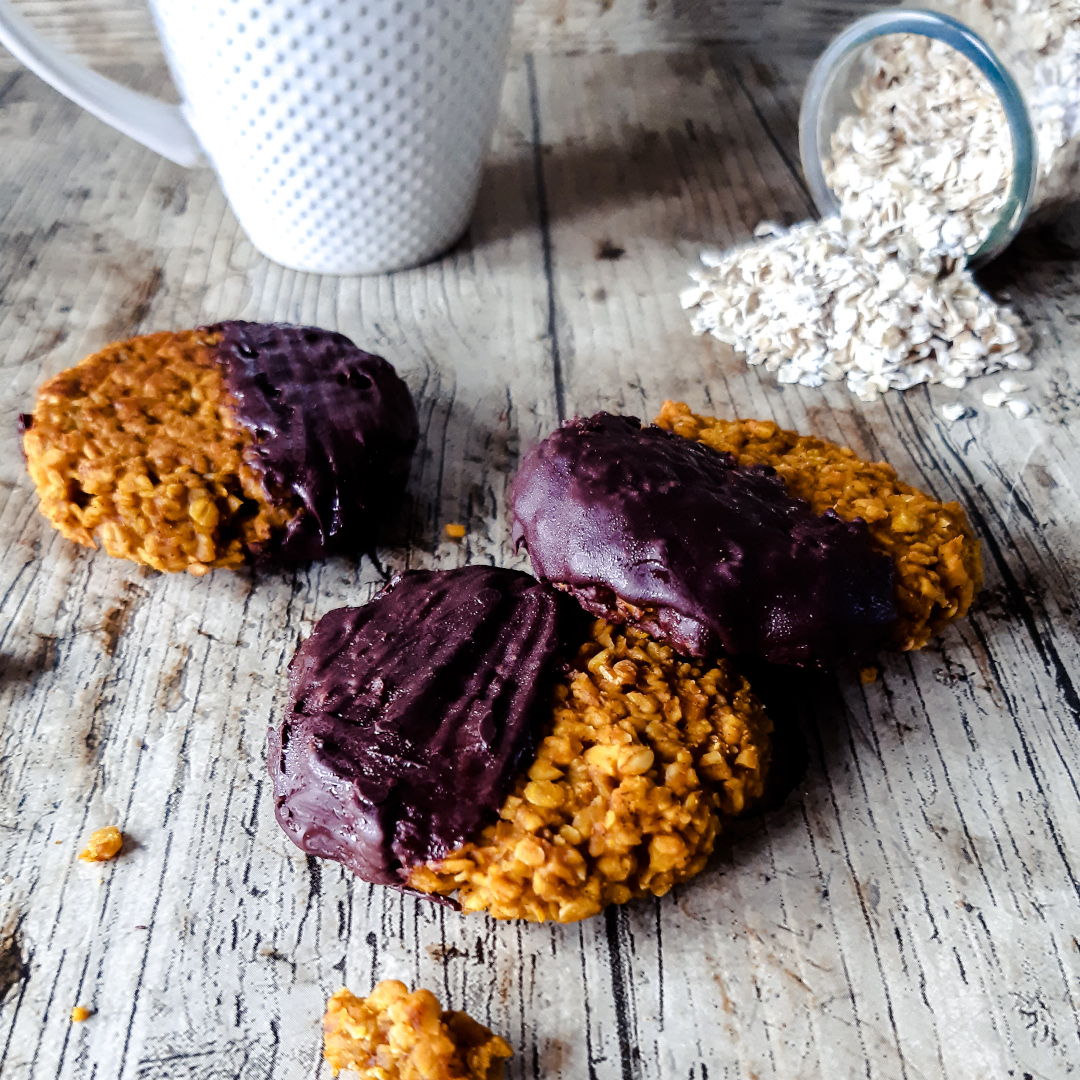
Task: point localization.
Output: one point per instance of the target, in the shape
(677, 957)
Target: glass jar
(1033, 67)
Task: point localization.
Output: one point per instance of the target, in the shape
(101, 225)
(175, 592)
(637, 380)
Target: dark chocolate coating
(719, 555)
(409, 718)
(335, 429)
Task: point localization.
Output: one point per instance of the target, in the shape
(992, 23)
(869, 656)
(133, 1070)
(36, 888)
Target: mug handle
(155, 124)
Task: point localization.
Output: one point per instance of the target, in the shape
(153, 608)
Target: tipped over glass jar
(929, 138)
(991, 86)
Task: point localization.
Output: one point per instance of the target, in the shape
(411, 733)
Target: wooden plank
(101, 31)
(632, 26)
(128, 697)
(911, 909)
(108, 31)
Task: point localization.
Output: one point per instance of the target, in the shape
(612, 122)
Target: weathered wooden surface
(105, 31)
(911, 910)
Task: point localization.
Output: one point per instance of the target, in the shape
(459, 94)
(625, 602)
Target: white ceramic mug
(348, 135)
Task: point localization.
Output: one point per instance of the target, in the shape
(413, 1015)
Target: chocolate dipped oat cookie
(935, 555)
(648, 528)
(207, 448)
(468, 734)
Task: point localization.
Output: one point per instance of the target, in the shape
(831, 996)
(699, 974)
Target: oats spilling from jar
(878, 295)
(927, 150)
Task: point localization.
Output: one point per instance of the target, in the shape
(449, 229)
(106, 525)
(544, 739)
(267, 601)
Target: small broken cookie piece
(103, 845)
(210, 447)
(645, 756)
(408, 718)
(394, 1035)
(642, 526)
(936, 556)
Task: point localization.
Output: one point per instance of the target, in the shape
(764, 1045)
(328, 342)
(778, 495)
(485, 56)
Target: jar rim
(969, 44)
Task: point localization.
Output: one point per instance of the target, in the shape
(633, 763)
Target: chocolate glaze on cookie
(408, 718)
(643, 526)
(335, 429)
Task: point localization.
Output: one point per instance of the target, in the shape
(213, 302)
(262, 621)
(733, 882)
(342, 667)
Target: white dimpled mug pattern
(349, 137)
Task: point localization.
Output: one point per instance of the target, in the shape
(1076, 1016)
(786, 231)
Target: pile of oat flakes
(879, 295)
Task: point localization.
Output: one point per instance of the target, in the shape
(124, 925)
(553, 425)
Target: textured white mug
(348, 136)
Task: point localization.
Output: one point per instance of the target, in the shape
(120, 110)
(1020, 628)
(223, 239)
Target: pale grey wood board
(105, 31)
(909, 911)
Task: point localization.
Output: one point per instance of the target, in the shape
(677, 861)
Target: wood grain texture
(108, 31)
(909, 910)
(632, 26)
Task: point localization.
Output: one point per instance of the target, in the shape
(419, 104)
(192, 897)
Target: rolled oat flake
(928, 140)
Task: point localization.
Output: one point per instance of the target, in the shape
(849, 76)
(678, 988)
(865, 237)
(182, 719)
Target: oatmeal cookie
(936, 556)
(395, 1035)
(467, 735)
(206, 448)
(645, 756)
(701, 552)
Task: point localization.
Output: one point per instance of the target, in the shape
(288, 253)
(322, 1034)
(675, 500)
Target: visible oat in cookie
(395, 1035)
(645, 756)
(104, 844)
(436, 739)
(135, 447)
(938, 566)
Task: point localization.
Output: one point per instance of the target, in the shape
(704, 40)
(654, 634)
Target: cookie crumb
(80, 1013)
(104, 844)
(952, 413)
(395, 1035)
(455, 531)
(868, 675)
